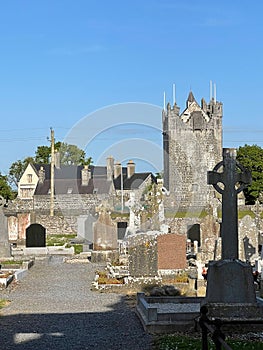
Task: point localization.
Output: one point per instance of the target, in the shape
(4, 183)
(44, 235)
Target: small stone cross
(233, 179)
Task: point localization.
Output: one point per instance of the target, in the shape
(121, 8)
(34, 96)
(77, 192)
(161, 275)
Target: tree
(251, 157)
(87, 161)
(43, 153)
(5, 189)
(17, 169)
(71, 154)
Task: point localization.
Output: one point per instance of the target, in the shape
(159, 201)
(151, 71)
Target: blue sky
(61, 60)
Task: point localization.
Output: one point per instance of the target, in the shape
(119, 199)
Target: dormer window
(29, 178)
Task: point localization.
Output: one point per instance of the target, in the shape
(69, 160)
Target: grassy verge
(203, 213)
(11, 262)
(178, 342)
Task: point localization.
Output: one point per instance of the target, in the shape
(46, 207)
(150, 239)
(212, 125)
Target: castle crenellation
(192, 144)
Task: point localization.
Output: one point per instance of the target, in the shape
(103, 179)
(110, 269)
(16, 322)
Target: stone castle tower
(192, 145)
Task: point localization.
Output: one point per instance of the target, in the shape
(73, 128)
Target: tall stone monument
(105, 237)
(230, 287)
(5, 251)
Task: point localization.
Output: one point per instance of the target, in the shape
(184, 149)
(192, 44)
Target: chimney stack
(130, 168)
(41, 175)
(110, 168)
(85, 176)
(57, 159)
(117, 170)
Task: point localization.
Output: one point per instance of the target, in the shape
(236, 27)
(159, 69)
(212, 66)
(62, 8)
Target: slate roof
(68, 180)
(71, 171)
(133, 182)
(191, 97)
(73, 186)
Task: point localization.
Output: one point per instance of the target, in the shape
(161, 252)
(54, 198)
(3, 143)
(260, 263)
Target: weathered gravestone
(248, 239)
(230, 287)
(105, 234)
(4, 243)
(143, 254)
(35, 236)
(152, 252)
(85, 228)
(210, 232)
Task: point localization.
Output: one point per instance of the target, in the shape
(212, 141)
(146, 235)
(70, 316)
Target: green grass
(52, 240)
(3, 303)
(115, 215)
(203, 213)
(78, 248)
(243, 213)
(179, 342)
(59, 240)
(11, 262)
(186, 214)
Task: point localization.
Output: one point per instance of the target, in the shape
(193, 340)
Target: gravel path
(53, 308)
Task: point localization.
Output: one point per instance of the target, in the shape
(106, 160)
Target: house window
(29, 178)
(26, 193)
(70, 190)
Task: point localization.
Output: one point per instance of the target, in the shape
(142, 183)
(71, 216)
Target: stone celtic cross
(229, 178)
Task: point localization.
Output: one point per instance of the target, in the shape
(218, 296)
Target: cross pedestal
(229, 182)
(229, 280)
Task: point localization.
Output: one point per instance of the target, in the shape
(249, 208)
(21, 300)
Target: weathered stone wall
(21, 213)
(73, 204)
(58, 224)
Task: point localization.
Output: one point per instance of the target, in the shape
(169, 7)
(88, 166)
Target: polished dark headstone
(35, 236)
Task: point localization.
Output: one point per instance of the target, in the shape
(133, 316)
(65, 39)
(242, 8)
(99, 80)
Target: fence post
(202, 320)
